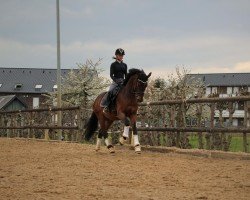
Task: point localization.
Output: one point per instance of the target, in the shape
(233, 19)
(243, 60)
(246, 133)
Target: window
(1, 85)
(55, 88)
(38, 86)
(222, 90)
(214, 90)
(243, 89)
(36, 102)
(208, 90)
(236, 90)
(18, 86)
(229, 90)
(241, 122)
(241, 105)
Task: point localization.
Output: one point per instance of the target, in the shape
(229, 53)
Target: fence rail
(40, 110)
(193, 129)
(198, 100)
(42, 127)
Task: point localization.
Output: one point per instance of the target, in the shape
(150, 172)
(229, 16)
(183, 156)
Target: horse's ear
(149, 74)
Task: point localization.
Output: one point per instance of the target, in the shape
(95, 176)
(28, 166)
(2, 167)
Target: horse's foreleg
(124, 138)
(125, 133)
(135, 135)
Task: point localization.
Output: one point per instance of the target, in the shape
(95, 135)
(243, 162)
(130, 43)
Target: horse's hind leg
(99, 141)
(103, 132)
(108, 142)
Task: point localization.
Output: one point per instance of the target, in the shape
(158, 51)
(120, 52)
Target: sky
(203, 36)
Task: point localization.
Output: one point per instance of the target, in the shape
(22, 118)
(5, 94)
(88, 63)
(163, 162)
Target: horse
(126, 103)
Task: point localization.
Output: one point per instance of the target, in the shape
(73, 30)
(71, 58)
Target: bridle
(136, 91)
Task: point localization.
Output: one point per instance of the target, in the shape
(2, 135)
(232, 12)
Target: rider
(118, 72)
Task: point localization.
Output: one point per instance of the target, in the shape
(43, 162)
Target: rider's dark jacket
(118, 70)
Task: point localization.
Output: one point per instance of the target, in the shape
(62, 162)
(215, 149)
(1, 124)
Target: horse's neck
(127, 91)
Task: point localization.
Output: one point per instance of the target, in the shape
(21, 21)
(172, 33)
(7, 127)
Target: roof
(224, 79)
(27, 79)
(6, 100)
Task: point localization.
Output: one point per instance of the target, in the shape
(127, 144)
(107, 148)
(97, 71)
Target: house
(227, 85)
(29, 84)
(11, 102)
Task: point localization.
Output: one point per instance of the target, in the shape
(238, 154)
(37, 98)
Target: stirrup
(111, 149)
(138, 148)
(123, 141)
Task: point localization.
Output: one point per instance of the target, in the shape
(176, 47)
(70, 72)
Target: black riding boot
(106, 100)
(109, 99)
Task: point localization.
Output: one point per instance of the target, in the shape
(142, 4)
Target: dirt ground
(49, 170)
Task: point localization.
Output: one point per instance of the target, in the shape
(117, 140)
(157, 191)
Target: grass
(235, 146)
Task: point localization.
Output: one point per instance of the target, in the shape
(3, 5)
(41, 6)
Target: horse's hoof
(97, 149)
(138, 149)
(123, 141)
(111, 149)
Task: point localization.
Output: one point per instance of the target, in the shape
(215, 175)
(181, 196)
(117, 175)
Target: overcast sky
(205, 36)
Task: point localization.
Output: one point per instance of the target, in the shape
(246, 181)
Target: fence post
(9, 123)
(171, 136)
(199, 113)
(79, 123)
(1, 124)
(245, 125)
(46, 134)
(208, 135)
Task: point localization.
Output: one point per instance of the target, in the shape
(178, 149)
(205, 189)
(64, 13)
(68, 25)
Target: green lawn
(236, 143)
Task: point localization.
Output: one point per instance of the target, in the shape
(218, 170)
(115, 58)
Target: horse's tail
(91, 126)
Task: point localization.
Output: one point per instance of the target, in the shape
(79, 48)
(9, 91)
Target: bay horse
(131, 93)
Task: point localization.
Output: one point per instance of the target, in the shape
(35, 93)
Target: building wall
(226, 91)
(238, 116)
(15, 105)
(28, 99)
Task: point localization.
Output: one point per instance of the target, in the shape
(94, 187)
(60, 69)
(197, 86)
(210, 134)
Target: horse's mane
(132, 72)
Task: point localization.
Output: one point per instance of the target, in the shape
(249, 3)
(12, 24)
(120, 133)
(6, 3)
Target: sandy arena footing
(45, 170)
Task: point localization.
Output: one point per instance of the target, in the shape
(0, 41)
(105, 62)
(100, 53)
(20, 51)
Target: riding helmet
(120, 52)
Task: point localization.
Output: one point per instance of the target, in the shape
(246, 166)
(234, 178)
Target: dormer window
(55, 87)
(38, 87)
(1, 85)
(18, 86)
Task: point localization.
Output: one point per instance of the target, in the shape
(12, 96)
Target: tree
(79, 88)
(82, 85)
(178, 86)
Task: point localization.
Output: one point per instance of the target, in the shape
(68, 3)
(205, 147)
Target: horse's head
(139, 82)
(140, 86)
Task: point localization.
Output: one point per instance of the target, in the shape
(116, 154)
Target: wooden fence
(42, 123)
(171, 117)
(166, 118)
